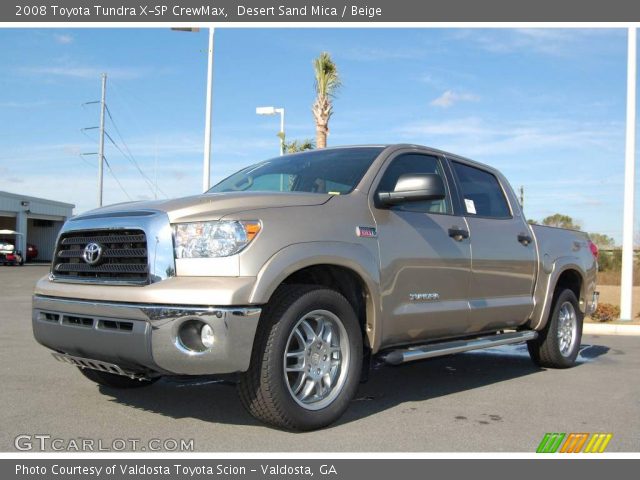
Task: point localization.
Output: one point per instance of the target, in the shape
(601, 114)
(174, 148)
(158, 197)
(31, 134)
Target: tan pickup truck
(294, 272)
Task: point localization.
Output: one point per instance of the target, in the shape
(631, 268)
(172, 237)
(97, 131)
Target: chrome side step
(396, 357)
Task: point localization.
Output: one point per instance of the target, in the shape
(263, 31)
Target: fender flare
(560, 265)
(297, 256)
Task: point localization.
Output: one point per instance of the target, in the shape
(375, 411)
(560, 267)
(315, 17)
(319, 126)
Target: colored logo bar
(574, 443)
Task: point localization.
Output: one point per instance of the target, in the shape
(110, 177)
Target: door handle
(458, 234)
(524, 239)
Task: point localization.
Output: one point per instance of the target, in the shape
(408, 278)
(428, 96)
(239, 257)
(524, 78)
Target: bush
(606, 312)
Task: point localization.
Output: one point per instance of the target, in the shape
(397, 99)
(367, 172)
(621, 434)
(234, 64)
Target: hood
(212, 206)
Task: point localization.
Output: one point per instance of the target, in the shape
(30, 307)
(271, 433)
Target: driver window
(414, 163)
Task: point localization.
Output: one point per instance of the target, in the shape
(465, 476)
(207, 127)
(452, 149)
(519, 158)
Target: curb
(610, 329)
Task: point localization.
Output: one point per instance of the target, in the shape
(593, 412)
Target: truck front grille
(120, 256)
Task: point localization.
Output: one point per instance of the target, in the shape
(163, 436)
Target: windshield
(334, 171)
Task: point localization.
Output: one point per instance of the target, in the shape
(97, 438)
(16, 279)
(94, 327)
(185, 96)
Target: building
(37, 219)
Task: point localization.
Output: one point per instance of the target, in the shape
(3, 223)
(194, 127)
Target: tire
(323, 369)
(115, 381)
(558, 344)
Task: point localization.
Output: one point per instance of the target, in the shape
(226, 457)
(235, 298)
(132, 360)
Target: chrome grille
(123, 257)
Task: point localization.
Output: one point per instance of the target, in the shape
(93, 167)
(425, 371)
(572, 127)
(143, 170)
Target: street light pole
(274, 111)
(206, 161)
(206, 170)
(626, 283)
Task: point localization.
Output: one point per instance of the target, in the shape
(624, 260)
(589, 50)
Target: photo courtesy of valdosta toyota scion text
(296, 238)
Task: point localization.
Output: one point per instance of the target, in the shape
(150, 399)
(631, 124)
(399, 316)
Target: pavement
(490, 401)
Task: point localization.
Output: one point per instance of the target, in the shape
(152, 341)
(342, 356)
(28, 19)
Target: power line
(82, 155)
(116, 178)
(102, 158)
(130, 156)
(149, 184)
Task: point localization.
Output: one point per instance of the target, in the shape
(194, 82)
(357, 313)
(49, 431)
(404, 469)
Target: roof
(35, 199)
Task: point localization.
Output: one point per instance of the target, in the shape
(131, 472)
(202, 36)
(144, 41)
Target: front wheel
(558, 343)
(306, 360)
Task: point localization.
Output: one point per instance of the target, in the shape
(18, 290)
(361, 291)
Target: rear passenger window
(414, 163)
(483, 195)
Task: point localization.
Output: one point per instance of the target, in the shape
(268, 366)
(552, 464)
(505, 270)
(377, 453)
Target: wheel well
(570, 279)
(339, 278)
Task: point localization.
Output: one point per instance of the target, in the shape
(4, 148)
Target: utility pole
(101, 139)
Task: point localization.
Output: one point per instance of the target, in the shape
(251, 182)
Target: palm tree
(327, 83)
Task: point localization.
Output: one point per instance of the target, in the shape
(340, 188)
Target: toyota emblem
(92, 253)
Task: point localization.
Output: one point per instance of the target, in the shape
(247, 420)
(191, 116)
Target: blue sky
(546, 106)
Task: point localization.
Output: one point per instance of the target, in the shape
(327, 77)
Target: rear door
(503, 253)
(424, 270)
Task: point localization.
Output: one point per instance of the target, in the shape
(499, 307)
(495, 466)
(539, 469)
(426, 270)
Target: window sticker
(471, 207)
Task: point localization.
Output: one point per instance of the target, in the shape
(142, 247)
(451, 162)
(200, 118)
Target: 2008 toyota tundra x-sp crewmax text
(294, 272)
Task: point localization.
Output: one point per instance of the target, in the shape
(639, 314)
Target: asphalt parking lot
(495, 400)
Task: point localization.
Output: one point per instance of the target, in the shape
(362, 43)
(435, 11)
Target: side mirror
(414, 187)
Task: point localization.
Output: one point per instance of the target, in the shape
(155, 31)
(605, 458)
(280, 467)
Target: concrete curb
(610, 329)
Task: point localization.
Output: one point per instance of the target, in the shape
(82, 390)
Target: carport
(38, 220)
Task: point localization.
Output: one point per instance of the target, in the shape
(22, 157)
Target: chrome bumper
(143, 337)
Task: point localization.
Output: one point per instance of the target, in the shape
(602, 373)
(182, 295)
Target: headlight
(213, 239)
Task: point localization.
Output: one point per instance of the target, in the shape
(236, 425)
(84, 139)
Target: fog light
(195, 336)
(206, 336)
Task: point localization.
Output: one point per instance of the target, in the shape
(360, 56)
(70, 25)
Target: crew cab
(294, 272)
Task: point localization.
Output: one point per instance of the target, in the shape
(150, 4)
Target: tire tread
(544, 349)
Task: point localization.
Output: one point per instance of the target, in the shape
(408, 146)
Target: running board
(420, 352)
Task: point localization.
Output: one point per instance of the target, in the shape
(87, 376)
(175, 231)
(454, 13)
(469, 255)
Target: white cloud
(375, 54)
(63, 38)
(87, 72)
(449, 98)
(547, 41)
(176, 157)
(69, 68)
(15, 104)
(476, 136)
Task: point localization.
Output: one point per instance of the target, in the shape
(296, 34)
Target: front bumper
(143, 338)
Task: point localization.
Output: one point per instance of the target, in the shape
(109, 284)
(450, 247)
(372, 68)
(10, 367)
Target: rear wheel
(306, 361)
(115, 381)
(558, 343)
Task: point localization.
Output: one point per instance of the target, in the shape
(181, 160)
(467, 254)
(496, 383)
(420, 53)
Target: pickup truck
(293, 273)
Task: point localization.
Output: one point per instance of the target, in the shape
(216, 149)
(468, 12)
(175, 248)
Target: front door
(425, 259)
